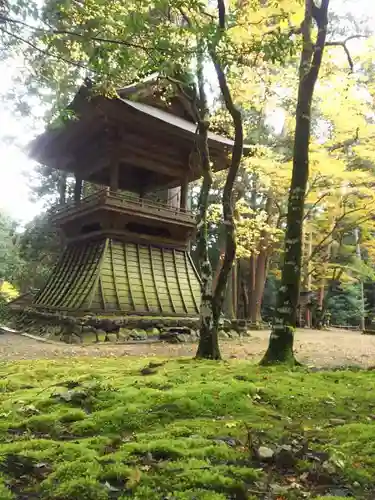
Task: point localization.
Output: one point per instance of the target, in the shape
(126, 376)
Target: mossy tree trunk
(280, 348)
(208, 342)
(212, 301)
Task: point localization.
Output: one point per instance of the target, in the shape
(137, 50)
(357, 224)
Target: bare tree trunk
(321, 293)
(253, 256)
(325, 261)
(220, 261)
(260, 281)
(261, 267)
(307, 278)
(359, 256)
(280, 348)
(228, 304)
(244, 292)
(228, 215)
(212, 303)
(252, 278)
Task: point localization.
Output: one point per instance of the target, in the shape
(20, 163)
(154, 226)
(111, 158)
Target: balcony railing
(118, 200)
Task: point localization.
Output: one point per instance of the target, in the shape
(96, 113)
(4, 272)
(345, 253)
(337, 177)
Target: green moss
(5, 493)
(44, 424)
(73, 416)
(116, 474)
(328, 497)
(181, 433)
(72, 489)
(196, 493)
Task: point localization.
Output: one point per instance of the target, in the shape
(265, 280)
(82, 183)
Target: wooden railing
(91, 200)
(111, 198)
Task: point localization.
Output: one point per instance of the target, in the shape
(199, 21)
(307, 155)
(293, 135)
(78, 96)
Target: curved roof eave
(178, 122)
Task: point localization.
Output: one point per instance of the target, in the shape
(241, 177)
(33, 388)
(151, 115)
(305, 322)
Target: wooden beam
(122, 141)
(91, 162)
(124, 235)
(154, 185)
(161, 152)
(174, 195)
(114, 176)
(149, 163)
(87, 167)
(184, 194)
(128, 183)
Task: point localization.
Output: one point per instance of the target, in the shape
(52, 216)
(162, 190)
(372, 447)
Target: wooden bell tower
(126, 252)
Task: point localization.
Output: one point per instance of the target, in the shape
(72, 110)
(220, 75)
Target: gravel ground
(327, 348)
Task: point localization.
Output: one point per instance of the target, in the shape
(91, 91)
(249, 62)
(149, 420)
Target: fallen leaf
(134, 478)
(110, 487)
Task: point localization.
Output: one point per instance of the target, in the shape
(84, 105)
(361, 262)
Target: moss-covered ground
(97, 429)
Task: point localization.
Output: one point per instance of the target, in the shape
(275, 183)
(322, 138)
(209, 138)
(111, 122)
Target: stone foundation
(88, 329)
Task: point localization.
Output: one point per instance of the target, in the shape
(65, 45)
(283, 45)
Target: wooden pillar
(114, 174)
(174, 195)
(77, 190)
(62, 184)
(184, 195)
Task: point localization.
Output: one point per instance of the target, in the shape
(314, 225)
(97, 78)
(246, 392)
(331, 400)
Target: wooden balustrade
(119, 200)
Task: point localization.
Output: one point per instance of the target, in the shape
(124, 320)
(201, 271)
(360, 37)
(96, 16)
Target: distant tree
(10, 261)
(39, 246)
(345, 305)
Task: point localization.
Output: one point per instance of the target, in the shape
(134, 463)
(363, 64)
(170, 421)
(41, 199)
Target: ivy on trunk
(280, 348)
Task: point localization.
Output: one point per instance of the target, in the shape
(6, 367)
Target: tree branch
(311, 209)
(185, 17)
(345, 144)
(82, 35)
(281, 211)
(319, 246)
(343, 44)
(46, 52)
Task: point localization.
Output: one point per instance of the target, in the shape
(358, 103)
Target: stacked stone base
(90, 329)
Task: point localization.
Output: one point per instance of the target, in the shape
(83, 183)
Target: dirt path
(329, 348)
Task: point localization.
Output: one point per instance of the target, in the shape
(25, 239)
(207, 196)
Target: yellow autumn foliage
(8, 291)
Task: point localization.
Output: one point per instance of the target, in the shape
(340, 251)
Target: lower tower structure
(132, 260)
